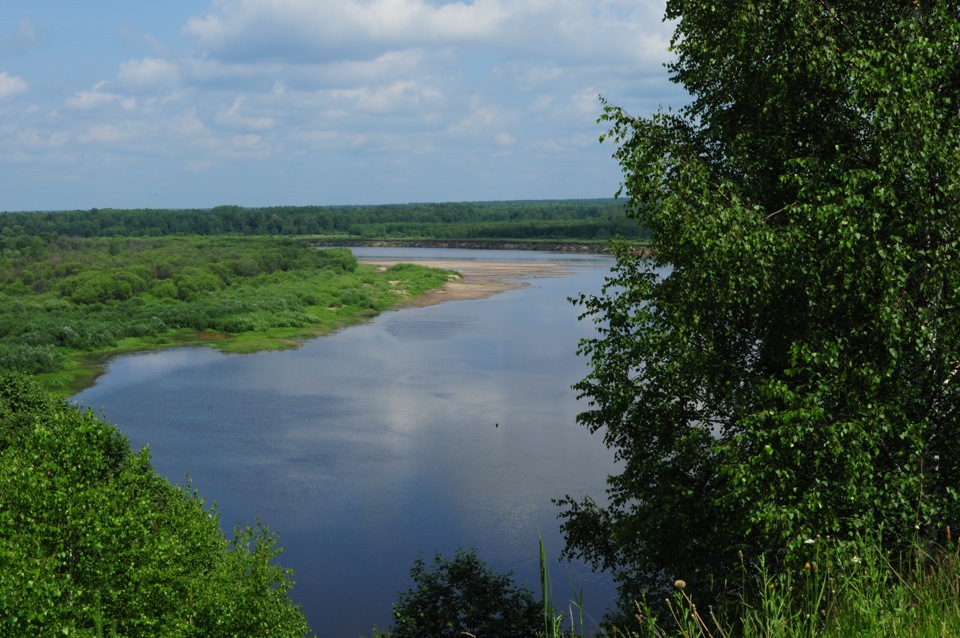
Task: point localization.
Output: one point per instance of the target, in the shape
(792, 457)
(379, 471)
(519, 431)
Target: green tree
(462, 595)
(786, 362)
(93, 540)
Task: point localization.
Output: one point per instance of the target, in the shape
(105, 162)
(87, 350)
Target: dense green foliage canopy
(787, 364)
(549, 219)
(63, 298)
(94, 542)
(463, 596)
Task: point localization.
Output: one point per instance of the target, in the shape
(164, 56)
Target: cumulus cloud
(107, 133)
(148, 74)
(390, 97)
(234, 117)
(11, 86)
(308, 31)
(263, 75)
(92, 99)
(353, 86)
(478, 121)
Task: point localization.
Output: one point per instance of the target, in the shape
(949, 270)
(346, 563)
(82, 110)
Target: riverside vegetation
(784, 405)
(93, 542)
(67, 302)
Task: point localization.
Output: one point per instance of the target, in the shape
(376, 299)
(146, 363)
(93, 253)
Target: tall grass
(845, 589)
(836, 589)
(554, 620)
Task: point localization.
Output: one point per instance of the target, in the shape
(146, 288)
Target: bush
(337, 259)
(30, 358)
(94, 542)
(460, 596)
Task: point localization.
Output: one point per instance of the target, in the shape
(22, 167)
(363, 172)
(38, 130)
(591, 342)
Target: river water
(425, 430)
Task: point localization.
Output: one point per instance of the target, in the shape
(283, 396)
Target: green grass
(837, 589)
(843, 589)
(67, 304)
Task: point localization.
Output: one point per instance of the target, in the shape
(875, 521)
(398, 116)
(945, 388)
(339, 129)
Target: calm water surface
(423, 431)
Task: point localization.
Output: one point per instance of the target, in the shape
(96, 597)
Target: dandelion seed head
(680, 584)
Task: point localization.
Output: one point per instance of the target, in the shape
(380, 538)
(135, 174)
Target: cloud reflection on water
(381, 441)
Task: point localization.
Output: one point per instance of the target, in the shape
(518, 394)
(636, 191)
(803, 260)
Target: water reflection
(427, 429)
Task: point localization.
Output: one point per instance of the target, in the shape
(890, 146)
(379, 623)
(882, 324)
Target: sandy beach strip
(478, 279)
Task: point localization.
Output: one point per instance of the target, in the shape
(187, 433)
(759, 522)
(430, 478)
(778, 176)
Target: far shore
(473, 280)
(478, 279)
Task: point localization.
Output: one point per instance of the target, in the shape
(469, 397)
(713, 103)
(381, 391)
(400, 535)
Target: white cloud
(35, 140)
(480, 120)
(342, 88)
(234, 118)
(148, 74)
(394, 96)
(586, 102)
(92, 99)
(188, 127)
(11, 86)
(108, 133)
(312, 31)
(247, 146)
(299, 30)
(207, 73)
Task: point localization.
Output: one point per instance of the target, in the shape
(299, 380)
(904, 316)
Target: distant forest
(584, 220)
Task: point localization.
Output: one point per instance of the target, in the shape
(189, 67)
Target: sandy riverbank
(478, 279)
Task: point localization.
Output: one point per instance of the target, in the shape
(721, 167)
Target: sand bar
(477, 279)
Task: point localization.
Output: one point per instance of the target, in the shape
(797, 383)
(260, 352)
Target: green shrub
(92, 539)
(30, 358)
(337, 259)
(462, 595)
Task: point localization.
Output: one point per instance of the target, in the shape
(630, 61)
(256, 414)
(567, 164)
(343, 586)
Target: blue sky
(126, 104)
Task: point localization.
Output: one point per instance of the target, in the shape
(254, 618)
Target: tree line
(596, 219)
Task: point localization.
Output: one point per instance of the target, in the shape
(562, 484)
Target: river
(425, 430)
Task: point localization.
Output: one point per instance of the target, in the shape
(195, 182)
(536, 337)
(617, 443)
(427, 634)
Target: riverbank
(598, 247)
(475, 279)
(72, 304)
(464, 280)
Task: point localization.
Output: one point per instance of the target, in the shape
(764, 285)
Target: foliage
(62, 298)
(92, 538)
(462, 595)
(550, 219)
(786, 364)
(843, 590)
